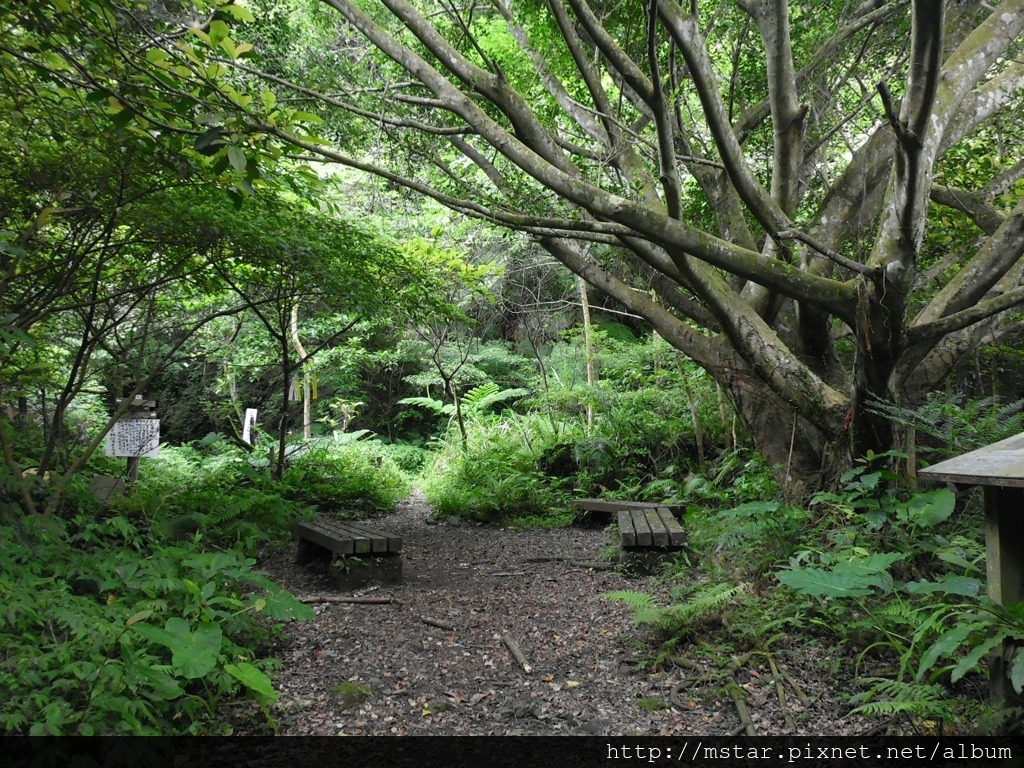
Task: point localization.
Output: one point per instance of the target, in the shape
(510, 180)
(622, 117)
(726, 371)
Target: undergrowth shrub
(105, 631)
(900, 577)
(894, 579)
(497, 475)
(408, 457)
(354, 475)
(211, 489)
(641, 446)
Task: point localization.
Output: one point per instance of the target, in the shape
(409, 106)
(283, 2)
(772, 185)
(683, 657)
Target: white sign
(247, 424)
(137, 438)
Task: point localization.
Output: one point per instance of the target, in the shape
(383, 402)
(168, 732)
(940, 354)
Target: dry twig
(353, 600)
(517, 654)
(439, 623)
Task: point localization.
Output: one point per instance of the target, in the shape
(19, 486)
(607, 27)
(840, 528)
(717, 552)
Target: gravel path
(380, 669)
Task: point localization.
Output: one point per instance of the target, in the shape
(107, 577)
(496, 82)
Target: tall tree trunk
(307, 389)
(287, 372)
(588, 343)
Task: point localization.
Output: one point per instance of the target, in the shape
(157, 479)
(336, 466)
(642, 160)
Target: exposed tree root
(726, 678)
(780, 691)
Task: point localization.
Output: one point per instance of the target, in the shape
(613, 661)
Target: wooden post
(1004, 545)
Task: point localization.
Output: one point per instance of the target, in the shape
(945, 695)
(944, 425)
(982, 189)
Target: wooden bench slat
(605, 505)
(652, 528)
(676, 534)
(365, 539)
(626, 529)
(386, 541)
(659, 534)
(644, 537)
(325, 538)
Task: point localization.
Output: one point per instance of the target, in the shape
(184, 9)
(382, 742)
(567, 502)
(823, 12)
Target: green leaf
(253, 679)
(306, 117)
(162, 686)
(240, 13)
(822, 583)
(140, 616)
(928, 509)
(279, 602)
(954, 558)
(206, 144)
(949, 584)
(193, 654)
(218, 31)
(848, 578)
(945, 645)
(1016, 671)
(971, 660)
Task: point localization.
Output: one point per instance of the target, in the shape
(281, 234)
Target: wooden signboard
(134, 438)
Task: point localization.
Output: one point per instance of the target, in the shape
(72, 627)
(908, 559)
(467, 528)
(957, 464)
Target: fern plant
(475, 401)
(957, 424)
(679, 618)
(887, 697)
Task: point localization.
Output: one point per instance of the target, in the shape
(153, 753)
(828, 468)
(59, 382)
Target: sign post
(135, 435)
(248, 422)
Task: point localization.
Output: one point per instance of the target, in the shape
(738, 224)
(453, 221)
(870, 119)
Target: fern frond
(472, 399)
(707, 599)
(424, 402)
(891, 697)
(674, 618)
(635, 600)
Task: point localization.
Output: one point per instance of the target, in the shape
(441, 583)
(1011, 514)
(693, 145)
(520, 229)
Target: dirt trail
(379, 669)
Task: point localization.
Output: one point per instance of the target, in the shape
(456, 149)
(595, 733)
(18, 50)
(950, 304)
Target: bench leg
(307, 551)
(355, 571)
(645, 562)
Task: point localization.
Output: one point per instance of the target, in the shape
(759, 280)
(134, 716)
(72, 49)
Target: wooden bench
(999, 469)
(647, 537)
(358, 554)
(603, 510)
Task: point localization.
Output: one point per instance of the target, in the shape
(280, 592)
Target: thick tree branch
(973, 204)
(964, 318)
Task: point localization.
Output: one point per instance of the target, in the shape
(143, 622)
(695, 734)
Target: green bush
(212, 489)
(498, 474)
(410, 458)
(105, 632)
(334, 476)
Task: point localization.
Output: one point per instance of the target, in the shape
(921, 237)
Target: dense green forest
(758, 259)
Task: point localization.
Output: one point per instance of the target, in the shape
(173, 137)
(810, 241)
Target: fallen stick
(440, 624)
(507, 573)
(516, 653)
(353, 600)
(594, 565)
(597, 565)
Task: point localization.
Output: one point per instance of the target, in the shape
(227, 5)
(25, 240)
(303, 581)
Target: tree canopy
(757, 180)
